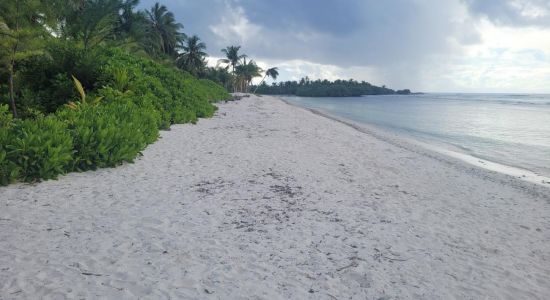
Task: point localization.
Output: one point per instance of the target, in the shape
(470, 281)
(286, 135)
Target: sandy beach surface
(271, 201)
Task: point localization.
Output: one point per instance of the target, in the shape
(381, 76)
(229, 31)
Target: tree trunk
(234, 79)
(260, 83)
(12, 96)
(12, 62)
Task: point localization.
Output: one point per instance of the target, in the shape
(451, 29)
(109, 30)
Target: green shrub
(46, 84)
(47, 78)
(110, 134)
(6, 117)
(214, 92)
(8, 169)
(177, 95)
(139, 97)
(41, 148)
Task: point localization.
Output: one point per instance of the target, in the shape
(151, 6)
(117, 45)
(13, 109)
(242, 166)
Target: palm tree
(271, 72)
(128, 21)
(193, 57)
(246, 72)
(91, 22)
(164, 31)
(219, 75)
(232, 56)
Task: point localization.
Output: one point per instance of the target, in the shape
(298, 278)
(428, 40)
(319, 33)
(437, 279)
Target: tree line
(325, 88)
(28, 27)
(87, 84)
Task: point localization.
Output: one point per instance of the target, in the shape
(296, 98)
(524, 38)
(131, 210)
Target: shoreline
(408, 142)
(270, 201)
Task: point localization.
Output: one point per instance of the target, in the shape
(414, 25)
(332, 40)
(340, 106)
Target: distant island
(325, 88)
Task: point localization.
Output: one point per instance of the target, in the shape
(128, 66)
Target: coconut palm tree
(193, 57)
(271, 72)
(129, 22)
(246, 72)
(219, 74)
(164, 32)
(232, 56)
(91, 22)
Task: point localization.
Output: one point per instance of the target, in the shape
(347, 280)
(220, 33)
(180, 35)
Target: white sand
(267, 200)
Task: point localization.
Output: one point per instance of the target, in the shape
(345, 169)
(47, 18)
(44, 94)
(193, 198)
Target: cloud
(513, 12)
(235, 26)
(344, 33)
(427, 45)
(361, 33)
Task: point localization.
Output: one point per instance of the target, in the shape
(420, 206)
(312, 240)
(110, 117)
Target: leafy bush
(213, 91)
(177, 95)
(47, 78)
(8, 169)
(107, 135)
(139, 97)
(6, 118)
(41, 148)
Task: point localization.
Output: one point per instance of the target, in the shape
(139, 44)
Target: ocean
(512, 130)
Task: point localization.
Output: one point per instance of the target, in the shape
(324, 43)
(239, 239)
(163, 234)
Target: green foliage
(218, 75)
(193, 57)
(82, 93)
(271, 72)
(20, 31)
(91, 22)
(213, 91)
(41, 148)
(107, 135)
(47, 78)
(232, 55)
(245, 72)
(8, 169)
(163, 32)
(325, 88)
(57, 61)
(47, 81)
(178, 96)
(6, 118)
(139, 97)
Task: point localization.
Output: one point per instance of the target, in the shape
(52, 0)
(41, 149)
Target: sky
(424, 45)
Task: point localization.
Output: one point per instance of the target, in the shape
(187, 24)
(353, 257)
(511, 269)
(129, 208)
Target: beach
(271, 201)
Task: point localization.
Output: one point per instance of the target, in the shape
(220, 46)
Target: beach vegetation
(8, 168)
(110, 134)
(271, 72)
(325, 88)
(232, 56)
(163, 33)
(39, 148)
(89, 84)
(193, 57)
(242, 73)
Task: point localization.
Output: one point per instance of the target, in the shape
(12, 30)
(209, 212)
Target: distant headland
(325, 88)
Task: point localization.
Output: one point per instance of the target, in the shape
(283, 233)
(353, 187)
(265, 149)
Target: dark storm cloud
(402, 43)
(513, 12)
(343, 33)
(328, 16)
